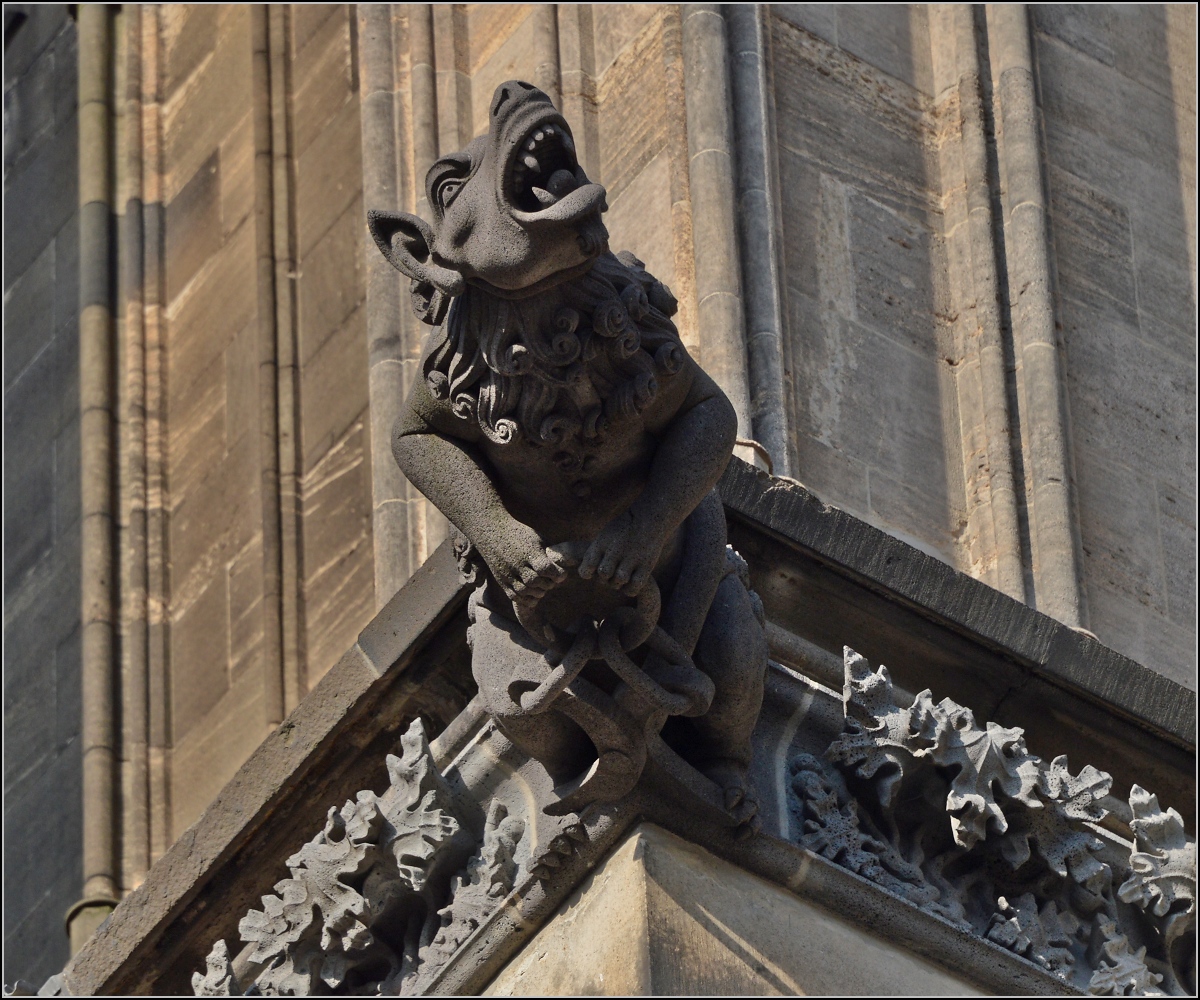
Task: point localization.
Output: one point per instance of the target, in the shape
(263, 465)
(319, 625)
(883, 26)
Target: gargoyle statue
(562, 428)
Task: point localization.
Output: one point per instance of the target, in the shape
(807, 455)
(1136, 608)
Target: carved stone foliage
(390, 887)
(1162, 880)
(964, 822)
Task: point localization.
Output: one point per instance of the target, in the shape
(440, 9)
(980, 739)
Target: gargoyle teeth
(544, 169)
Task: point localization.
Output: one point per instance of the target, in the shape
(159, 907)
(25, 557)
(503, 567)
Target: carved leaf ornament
(992, 837)
(959, 819)
(373, 897)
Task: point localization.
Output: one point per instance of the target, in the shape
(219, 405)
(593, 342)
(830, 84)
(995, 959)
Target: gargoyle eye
(448, 190)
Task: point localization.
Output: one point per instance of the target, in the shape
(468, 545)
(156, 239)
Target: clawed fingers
(587, 566)
(745, 812)
(548, 568)
(637, 581)
(566, 553)
(608, 565)
(750, 828)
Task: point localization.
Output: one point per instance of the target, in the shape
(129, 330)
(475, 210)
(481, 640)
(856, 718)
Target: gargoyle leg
(733, 651)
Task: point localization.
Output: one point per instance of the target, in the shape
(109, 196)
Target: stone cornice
(819, 570)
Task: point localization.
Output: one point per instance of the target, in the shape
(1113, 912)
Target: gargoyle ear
(405, 241)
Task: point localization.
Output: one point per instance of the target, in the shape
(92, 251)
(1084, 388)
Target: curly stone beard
(560, 367)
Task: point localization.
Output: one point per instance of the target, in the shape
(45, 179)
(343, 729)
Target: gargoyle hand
(624, 553)
(522, 565)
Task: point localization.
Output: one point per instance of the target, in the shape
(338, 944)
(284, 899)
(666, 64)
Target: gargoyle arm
(434, 450)
(695, 441)
(693, 450)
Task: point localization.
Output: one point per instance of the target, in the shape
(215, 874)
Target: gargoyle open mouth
(544, 169)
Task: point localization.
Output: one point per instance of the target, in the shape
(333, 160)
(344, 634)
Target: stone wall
(41, 490)
(872, 405)
(266, 486)
(212, 504)
(334, 426)
(1117, 87)
(891, 298)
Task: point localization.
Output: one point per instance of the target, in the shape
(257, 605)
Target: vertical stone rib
(714, 233)
(158, 579)
(546, 76)
(424, 101)
(1054, 540)
(1009, 575)
(576, 73)
(455, 126)
(394, 518)
(429, 527)
(268, 402)
(287, 368)
(135, 788)
(758, 238)
(96, 473)
(684, 285)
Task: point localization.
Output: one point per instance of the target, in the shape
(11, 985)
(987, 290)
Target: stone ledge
(937, 591)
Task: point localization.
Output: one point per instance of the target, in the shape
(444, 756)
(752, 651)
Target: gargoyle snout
(513, 94)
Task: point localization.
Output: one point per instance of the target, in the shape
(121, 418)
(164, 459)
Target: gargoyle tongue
(560, 184)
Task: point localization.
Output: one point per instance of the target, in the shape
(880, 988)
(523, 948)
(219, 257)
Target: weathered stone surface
(640, 218)
(328, 176)
(41, 865)
(331, 286)
(189, 37)
(41, 489)
(334, 391)
(895, 42)
(663, 917)
(863, 258)
(241, 387)
(631, 94)
(216, 67)
(339, 592)
(203, 756)
(1120, 171)
(193, 225)
(235, 154)
(29, 314)
(596, 944)
(202, 321)
(46, 177)
(323, 80)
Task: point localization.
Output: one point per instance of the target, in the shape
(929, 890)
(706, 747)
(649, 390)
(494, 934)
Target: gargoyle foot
(741, 798)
